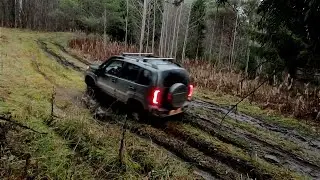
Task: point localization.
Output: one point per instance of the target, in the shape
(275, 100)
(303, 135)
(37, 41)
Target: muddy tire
(91, 91)
(136, 111)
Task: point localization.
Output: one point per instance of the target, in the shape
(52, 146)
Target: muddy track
(63, 49)
(60, 59)
(254, 144)
(202, 154)
(310, 143)
(35, 66)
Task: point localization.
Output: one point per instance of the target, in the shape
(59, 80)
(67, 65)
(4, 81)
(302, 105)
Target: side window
(145, 77)
(130, 72)
(114, 67)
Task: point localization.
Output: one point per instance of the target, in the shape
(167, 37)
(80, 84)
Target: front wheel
(91, 91)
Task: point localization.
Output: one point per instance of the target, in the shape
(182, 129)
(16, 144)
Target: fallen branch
(252, 92)
(19, 124)
(122, 142)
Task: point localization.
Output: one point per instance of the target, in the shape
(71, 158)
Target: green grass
(26, 94)
(253, 109)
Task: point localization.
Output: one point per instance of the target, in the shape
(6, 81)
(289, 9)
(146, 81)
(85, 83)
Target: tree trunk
(212, 35)
(148, 28)
(127, 16)
(161, 46)
(248, 57)
(104, 30)
(143, 24)
(220, 47)
(234, 39)
(174, 32)
(154, 24)
(166, 32)
(186, 37)
(177, 36)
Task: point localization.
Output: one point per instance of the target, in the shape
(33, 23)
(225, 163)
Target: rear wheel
(136, 111)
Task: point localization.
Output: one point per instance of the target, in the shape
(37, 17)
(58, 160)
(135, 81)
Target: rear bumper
(161, 112)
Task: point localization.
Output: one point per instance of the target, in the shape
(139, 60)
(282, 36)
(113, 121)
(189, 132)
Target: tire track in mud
(312, 144)
(36, 67)
(250, 143)
(60, 59)
(204, 155)
(63, 49)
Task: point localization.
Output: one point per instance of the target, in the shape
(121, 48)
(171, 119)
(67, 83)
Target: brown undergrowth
(286, 97)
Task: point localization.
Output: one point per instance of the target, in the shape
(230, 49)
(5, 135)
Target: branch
(234, 106)
(19, 124)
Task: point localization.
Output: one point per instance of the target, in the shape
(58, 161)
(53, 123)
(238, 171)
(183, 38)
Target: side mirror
(100, 72)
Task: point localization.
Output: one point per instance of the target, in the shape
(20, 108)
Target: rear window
(171, 77)
(145, 77)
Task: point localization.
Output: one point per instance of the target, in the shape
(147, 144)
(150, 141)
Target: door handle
(132, 88)
(113, 80)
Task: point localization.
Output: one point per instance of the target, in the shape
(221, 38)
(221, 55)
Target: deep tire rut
(60, 59)
(189, 148)
(63, 49)
(257, 144)
(310, 143)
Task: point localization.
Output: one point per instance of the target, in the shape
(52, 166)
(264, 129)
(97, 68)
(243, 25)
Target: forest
(236, 34)
(274, 40)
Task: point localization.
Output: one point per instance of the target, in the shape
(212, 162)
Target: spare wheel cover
(179, 93)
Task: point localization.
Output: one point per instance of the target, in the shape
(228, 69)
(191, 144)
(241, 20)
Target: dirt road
(241, 146)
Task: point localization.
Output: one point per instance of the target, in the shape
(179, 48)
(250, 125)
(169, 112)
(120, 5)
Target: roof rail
(159, 58)
(137, 54)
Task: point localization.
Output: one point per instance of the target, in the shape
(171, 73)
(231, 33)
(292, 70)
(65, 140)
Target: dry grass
(300, 101)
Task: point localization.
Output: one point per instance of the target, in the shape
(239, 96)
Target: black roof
(152, 62)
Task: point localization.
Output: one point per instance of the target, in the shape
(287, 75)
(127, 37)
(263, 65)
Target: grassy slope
(76, 145)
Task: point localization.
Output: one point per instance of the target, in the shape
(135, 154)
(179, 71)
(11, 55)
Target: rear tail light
(169, 97)
(156, 96)
(190, 91)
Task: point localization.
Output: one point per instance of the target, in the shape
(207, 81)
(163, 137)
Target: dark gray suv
(147, 84)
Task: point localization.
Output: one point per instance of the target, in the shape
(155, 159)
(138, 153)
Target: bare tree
(104, 29)
(127, 16)
(154, 24)
(212, 34)
(220, 47)
(143, 24)
(234, 38)
(148, 28)
(174, 32)
(177, 36)
(186, 36)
